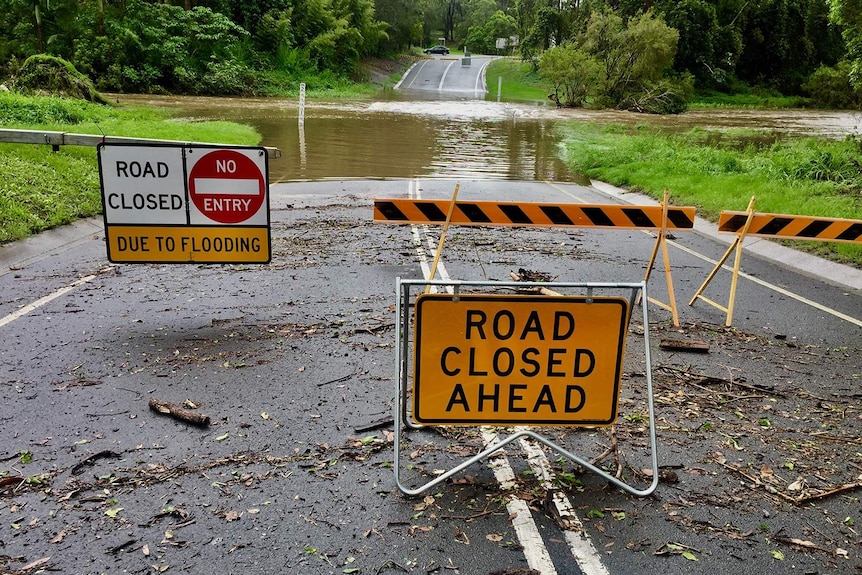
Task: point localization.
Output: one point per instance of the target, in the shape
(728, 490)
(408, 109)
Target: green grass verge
(41, 189)
(520, 83)
(717, 172)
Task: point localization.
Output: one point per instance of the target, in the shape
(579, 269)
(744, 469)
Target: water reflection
(399, 136)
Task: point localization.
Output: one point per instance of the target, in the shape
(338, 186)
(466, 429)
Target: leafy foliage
(43, 74)
(618, 64)
(217, 47)
(831, 87)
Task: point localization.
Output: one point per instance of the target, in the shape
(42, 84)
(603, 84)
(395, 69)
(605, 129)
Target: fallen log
(177, 412)
(679, 344)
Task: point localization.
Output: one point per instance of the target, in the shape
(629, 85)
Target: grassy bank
(519, 82)
(717, 172)
(41, 189)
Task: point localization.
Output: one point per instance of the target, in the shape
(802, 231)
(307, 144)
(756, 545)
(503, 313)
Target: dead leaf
(232, 515)
(34, 564)
(495, 537)
(145, 550)
(802, 543)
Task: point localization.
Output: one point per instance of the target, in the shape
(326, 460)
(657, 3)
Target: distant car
(437, 50)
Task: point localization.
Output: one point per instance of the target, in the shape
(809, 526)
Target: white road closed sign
(143, 187)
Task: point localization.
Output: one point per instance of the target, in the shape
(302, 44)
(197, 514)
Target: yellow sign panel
(506, 360)
(185, 244)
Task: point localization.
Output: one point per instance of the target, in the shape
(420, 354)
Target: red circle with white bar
(227, 186)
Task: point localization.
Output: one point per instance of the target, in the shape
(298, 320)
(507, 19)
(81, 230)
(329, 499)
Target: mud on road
(293, 363)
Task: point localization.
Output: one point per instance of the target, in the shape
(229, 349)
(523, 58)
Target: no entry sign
(227, 187)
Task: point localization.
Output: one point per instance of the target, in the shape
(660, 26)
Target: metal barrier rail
(57, 139)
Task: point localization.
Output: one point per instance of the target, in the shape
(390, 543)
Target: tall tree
(848, 13)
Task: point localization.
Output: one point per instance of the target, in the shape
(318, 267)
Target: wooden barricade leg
(443, 235)
(736, 245)
(661, 241)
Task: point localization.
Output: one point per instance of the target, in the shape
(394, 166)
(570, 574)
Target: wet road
(294, 363)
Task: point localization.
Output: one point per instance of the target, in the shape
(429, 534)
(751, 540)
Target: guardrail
(57, 139)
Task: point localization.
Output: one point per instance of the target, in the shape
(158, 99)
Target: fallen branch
(544, 291)
(680, 344)
(376, 424)
(174, 410)
(78, 468)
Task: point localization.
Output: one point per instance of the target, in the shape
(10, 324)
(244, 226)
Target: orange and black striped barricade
(778, 226)
(661, 218)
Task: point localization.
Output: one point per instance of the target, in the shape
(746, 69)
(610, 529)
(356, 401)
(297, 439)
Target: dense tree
(404, 18)
(848, 13)
(482, 38)
(618, 64)
(223, 45)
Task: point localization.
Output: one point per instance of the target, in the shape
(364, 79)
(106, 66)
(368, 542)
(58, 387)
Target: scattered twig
(121, 546)
(469, 517)
(174, 410)
(525, 275)
(78, 468)
(707, 379)
(828, 493)
(823, 435)
(376, 424)
(336, 380)
(375, 329)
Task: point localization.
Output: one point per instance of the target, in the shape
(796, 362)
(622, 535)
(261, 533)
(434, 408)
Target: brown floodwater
(401, 136)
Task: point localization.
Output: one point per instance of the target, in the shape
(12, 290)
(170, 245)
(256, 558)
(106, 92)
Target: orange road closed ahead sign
(506, 360)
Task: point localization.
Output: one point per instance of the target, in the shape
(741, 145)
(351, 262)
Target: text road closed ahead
(505, 360)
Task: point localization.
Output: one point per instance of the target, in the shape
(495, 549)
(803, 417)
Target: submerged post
(302, 103)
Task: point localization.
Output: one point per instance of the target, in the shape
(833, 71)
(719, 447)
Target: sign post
(518, 361)
(185, 204)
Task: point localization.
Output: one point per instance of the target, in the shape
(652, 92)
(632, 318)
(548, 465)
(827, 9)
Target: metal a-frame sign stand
(591, 307)
(406, 419)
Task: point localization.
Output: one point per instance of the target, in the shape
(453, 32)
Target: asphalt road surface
(294, 364)
(447, 75)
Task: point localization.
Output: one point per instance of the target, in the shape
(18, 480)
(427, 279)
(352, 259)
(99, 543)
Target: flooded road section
(402, 137)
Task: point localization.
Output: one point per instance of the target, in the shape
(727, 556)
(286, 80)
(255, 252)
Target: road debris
(177, 412)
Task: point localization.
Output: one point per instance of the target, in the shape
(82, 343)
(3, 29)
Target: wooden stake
(661, 241)
(736, 245)
(443, 235)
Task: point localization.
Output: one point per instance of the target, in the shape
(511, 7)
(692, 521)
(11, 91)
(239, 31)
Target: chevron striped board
(485, 213)
(793, 227)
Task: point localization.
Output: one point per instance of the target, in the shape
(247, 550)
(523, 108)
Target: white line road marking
(42, 301)
(535, 551)
(443, 79)
(580, 544)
